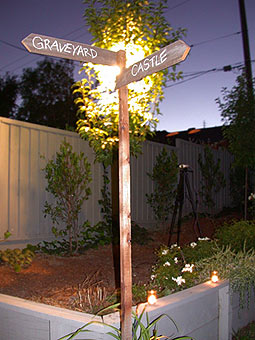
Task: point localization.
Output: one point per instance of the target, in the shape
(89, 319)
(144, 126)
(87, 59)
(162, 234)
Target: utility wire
(195, 75)
(214, 39)
(38, 56)
(11, 45)
(182, 3)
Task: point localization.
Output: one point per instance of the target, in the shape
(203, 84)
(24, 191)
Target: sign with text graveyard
(165, 57)
(54, 47)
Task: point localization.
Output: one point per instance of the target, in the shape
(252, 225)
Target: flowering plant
(175, 269)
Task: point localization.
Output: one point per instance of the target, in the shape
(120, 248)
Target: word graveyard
(42, 44)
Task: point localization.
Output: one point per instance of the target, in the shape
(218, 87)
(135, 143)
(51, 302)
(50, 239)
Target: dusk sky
(213, 28)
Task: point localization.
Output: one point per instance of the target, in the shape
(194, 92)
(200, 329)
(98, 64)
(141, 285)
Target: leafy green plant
(7, 234)
(246, 333)
(238, 268)
(17, 258)
(175, 268)
(68, 179)
(212, 177)
(140, 331)
(164, 176)
(178, 269)
(141, 29)
(237, 235)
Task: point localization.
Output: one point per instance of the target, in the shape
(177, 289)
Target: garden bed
(26, 320)
(84, 283)
(61, 281)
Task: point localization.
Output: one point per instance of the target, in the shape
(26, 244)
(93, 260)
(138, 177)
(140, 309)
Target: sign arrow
(168, 56)
(42, 44)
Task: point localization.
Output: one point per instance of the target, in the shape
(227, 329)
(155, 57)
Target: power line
(28, 55)
(182, 3)
(11, 45)
(214, 39)
(194, 75)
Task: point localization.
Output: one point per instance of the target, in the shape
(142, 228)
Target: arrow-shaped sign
(42, 44)
(165, 57)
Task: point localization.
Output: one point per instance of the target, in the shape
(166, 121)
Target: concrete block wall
(206, 311)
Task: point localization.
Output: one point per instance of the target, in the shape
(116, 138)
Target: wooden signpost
(54, 47)
(167, 56)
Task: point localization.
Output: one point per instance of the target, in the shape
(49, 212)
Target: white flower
(179, 280)
(167, 264)
(176, 260)
(188, 268)
(251, 197)
(193, 244)
(165, 251)
(153, 277)
(174, 246)
(203, 239)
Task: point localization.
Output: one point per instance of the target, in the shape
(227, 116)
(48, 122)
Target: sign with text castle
(165, 57)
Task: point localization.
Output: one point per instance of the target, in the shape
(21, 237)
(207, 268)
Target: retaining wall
(206, 311)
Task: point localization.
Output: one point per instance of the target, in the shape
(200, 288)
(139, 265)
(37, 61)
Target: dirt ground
(79, 282)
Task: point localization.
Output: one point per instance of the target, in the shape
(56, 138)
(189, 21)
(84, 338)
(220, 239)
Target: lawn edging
(204, 311)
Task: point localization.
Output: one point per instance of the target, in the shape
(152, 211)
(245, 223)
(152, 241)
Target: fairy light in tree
(214, 277)
(152, 297)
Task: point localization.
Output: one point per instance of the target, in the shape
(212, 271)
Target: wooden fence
(22, 181)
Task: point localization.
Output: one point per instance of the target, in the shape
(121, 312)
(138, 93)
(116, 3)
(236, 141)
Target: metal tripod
(183, 183)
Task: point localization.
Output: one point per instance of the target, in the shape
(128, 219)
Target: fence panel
(23, 184)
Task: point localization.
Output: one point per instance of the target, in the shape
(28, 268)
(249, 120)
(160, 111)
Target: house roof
(212, 136)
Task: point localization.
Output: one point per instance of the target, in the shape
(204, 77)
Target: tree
(238, 113)
(140, 28)
(68, 179)
(46, 94)
(164, 176)
(8, 95)
(212, 177)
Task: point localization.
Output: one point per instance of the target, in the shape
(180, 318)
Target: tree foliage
(164, 176)
(238, 113)
(46, 94)
(68, 178)
(212, 177)
(8, 95)
(139, 28)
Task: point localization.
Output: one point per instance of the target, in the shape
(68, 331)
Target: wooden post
(167, 56)
(125, 209)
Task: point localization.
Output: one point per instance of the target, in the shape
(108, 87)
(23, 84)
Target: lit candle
(152, 298)
(214, 276)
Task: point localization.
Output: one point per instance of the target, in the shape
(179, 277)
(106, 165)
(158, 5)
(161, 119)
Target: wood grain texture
(54, 47)
(165, 57)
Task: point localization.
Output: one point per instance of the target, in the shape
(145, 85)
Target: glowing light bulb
(214, 276)
(152, 298)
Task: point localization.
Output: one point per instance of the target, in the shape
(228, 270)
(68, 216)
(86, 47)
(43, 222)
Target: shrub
(212, 177)
(164, 176)
(68, 181)
(17, 258)
(237, 234)
(7, 234)
(177, 269)
(238, 268)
